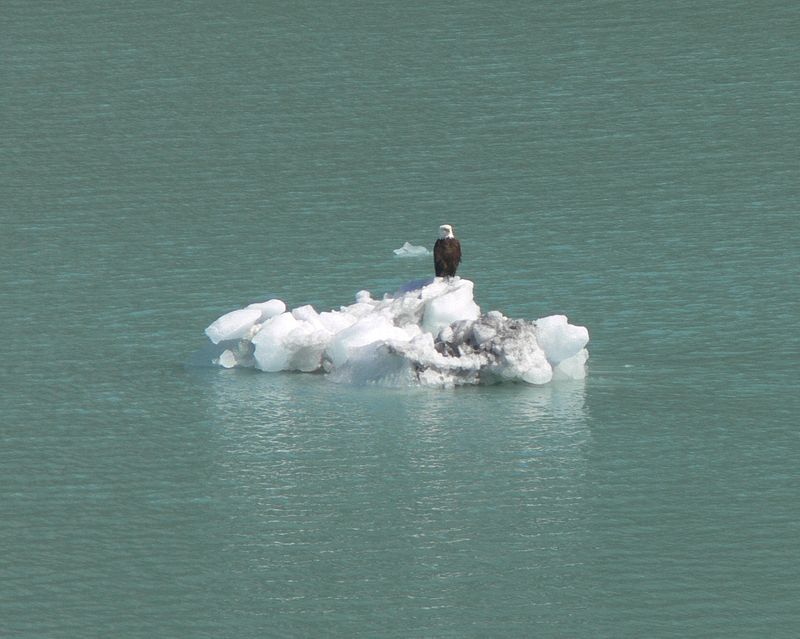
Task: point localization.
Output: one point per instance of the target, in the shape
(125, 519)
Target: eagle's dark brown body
(446, 256)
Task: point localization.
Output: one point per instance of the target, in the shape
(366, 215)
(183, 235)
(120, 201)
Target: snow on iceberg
(432, 334)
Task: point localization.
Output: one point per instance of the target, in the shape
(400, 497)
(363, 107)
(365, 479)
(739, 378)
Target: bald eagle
(446, 252)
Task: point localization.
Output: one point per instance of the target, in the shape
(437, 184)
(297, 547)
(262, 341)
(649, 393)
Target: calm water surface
(632, 166)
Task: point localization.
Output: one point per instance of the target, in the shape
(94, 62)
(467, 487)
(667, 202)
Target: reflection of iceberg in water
(562, 402)
(246, 400)
(430, 333)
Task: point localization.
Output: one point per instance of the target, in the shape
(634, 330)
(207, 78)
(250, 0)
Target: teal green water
(631, 165)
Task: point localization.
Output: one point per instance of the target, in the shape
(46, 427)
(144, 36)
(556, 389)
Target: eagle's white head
(446, 232)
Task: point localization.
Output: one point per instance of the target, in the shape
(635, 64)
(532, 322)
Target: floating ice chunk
(447, 302)
(409, 250)
(527, 362)
(376, 364)
(508, 348)
(430, 333)
(307, 344)
(272, 352)
(559, 339)
(268, 309)
(227, 359)
(440, 364)
(374, 328)
(233, 325)
(573, 367)
(288, 343)
(236, 354)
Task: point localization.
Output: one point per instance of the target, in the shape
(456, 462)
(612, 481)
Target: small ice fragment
(227, 359)
(409, 250)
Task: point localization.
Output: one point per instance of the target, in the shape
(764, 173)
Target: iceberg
(429, 333)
